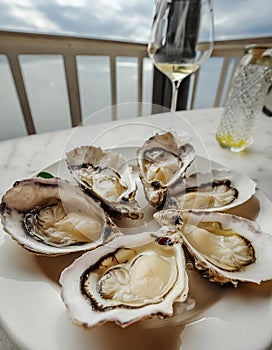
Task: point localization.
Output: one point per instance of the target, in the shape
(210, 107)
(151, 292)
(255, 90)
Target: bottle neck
(259, 55)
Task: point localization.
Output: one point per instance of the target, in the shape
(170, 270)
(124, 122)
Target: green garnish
(45, 175)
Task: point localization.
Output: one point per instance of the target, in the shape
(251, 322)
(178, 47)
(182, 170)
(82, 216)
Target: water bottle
(245, 99)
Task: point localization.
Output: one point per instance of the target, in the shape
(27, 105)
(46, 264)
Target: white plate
(35, 317)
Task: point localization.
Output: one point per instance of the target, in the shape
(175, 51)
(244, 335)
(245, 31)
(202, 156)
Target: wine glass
(181, 39)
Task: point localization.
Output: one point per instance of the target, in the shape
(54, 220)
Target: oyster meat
(211, 191)
(131, 278)
(107, 177)
(225, 247)
(162, 160)
(53, 217)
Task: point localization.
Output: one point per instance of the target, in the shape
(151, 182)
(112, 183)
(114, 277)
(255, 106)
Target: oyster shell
(219, 189)
(52, 217)
(106, 176)
(162, 160)
(131, 278)
(225, 247)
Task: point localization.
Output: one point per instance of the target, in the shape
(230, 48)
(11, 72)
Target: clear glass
(249, 86)
(182, 36)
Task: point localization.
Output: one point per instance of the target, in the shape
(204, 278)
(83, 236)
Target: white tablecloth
(23, 157)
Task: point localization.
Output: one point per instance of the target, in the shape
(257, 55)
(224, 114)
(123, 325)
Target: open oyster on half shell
(107, 177)
(53, 217)
(224, 247)
(215, 190)
(162, 160)
(129, 279)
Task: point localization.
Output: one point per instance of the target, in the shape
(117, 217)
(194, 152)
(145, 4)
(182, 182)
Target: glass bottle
(245, 99)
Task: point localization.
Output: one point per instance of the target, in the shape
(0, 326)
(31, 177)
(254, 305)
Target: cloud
(243, 18)
(71, 3)
(119, 19)
(125, 20)
(23, 15)
(38, 19)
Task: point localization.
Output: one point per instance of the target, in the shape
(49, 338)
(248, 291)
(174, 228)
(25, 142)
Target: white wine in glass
(182, 37)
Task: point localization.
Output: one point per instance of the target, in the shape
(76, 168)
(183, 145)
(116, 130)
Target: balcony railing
(14, 45)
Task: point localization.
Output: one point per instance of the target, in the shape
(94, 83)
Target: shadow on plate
(252, 290)
(113, 337)
(248, 210)
(53, 266)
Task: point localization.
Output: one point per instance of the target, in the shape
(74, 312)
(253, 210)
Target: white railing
(13, 45)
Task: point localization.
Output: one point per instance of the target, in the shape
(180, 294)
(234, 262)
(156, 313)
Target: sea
(45, 83)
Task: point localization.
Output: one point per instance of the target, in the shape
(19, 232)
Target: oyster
(210, 191)
(106, 176)
(52, 217)
(129, 279)
(225, 247)
(162, 160)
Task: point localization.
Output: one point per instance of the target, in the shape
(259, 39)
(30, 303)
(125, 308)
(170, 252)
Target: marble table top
(23, 157)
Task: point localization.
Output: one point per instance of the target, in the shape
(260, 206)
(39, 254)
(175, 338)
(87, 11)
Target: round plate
(224, 317)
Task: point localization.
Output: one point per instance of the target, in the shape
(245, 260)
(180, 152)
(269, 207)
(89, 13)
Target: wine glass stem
(175, 88)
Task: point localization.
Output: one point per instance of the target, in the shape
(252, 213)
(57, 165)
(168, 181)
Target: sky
(127, 20)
